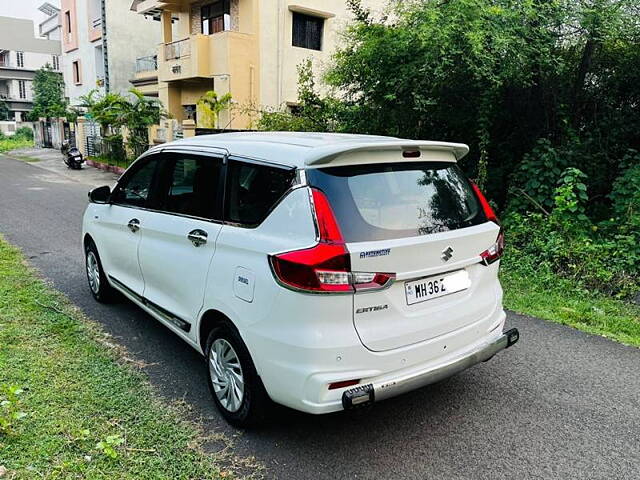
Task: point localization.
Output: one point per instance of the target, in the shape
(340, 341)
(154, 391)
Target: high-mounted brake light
(411, 153)
(325, 267)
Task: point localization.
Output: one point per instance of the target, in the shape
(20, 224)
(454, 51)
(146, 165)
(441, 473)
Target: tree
(114, 111)
(212, 106)
(502, 76)
(545, 92)
(108, 110)
(48, 94)
(314, 113)
(138, 115)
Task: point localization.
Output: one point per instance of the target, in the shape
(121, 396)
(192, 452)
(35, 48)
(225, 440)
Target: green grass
(90, 413)
(561, 301)
(11, 143)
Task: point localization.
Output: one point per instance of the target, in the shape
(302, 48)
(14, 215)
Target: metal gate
(69, 134)
(46, 135)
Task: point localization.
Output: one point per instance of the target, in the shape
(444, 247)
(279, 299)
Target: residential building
(50, 28)
(101, 40)
(248, 48)
(21, 54)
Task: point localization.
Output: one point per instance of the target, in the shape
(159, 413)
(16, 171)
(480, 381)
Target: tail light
(488, 211)
(326, 267)
(494, 252)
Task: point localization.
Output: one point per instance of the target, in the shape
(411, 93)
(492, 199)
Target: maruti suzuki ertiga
(321, 271)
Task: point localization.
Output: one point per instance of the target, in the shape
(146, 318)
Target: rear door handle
(134, 225)
(198, 237)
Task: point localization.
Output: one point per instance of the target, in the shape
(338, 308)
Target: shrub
(603, 257)
(25, 133)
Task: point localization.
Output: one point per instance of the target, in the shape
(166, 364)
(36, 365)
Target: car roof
(306, 149)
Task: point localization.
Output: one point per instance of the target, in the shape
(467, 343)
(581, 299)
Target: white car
(321, 271)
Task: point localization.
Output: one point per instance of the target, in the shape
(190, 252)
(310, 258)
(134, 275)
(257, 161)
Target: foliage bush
(114, 111)
(547, 95)
(24, 132)
(602, 256)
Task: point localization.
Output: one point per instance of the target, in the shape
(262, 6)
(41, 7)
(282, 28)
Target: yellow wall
(257, 63)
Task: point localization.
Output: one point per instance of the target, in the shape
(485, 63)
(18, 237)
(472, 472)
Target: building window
(190, 112)
(56, 62)
(216, 17)
(77, 76)
(68, 35)
(22, 89)
(20, 59)
(307, 31)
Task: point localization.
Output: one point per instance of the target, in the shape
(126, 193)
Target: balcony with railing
(147, 64)
(145, 78)
(203, 55)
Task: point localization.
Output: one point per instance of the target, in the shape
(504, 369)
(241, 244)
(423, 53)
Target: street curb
(105, 167)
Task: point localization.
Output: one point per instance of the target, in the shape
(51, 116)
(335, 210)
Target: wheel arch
(87, 240)
(209, 320)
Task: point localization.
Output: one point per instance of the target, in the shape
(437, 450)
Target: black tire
(255, 401)
(102, 292)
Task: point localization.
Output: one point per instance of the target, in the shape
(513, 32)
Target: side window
(193, 186)
(135, 189)
(253, 190)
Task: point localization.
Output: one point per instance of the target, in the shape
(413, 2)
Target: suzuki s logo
(447, 253)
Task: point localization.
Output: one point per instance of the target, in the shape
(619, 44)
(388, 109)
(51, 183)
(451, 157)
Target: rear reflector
(344, 383)
(325, 267)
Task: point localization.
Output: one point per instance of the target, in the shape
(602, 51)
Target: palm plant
(140, 114)
(213, 106)
(107, 110)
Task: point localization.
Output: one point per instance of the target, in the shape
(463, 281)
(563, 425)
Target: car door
(119, 223)
(179, 240)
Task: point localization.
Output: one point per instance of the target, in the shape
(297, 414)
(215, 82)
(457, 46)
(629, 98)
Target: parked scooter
(72, 156)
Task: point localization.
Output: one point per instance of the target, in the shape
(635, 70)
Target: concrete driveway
(560, 404)
(51, 160)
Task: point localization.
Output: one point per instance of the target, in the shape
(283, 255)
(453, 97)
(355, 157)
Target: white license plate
(437, 286)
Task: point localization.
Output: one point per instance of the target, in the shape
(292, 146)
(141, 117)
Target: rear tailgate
(393, 317)
(421, 221)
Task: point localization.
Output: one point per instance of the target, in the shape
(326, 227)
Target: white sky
(25, 9)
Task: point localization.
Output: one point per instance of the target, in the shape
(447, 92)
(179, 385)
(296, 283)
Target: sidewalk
(52, 160)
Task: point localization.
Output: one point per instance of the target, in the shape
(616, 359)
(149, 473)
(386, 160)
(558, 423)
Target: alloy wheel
(226, 375)
(93, 272)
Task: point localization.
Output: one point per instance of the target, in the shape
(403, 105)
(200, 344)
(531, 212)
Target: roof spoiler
(323, 155)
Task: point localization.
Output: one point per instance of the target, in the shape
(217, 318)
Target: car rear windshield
(385, 201)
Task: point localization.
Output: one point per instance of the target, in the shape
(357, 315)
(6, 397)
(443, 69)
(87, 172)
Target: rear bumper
(387, 388)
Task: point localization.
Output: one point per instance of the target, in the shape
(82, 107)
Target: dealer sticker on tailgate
(437, 286)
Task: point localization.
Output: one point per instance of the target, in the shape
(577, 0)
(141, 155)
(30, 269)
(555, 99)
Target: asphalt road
(560, 404)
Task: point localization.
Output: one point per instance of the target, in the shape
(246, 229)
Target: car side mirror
(100, 194)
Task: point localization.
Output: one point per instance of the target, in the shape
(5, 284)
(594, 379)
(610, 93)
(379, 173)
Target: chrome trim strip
(164, 212)
(165, 314)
